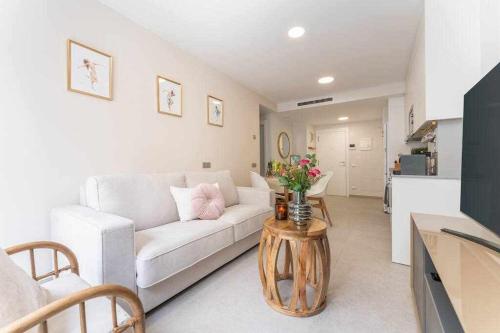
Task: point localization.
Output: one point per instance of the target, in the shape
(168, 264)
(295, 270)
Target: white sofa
(126, 230)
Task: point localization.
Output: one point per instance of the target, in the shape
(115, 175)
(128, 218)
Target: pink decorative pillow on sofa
(208, 202)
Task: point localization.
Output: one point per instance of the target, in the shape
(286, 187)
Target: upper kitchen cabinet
(452, 55)
(457, 42)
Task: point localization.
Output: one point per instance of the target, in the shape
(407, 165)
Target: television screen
(480, 195)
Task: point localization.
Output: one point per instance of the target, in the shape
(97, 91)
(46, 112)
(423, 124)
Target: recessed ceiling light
(326, 79)
(296, 32)
(343, 118)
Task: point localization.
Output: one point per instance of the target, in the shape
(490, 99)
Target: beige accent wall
(51, 140)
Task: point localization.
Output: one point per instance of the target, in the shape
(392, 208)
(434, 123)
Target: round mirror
(283, 145)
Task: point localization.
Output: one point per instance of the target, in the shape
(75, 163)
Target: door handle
(342, 163)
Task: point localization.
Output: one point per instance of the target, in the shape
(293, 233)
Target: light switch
(254, 137)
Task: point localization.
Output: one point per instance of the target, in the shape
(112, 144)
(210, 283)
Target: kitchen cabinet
(454, 281)
(452, 55)
(446, 59)
(422, 194)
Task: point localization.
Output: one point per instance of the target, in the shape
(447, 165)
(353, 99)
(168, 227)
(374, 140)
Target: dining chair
(317, 193)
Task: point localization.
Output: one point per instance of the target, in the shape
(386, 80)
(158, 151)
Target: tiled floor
(367, 292)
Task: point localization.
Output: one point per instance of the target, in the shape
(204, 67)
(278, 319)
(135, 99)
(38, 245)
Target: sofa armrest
(256, 196)
(103, 243)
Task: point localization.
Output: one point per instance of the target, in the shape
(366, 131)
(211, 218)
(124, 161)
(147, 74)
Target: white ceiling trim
(384, 90)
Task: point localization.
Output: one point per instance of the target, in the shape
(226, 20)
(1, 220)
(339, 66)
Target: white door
(331, 154)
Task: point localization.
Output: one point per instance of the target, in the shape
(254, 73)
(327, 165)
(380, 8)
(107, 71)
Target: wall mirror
(283, 145)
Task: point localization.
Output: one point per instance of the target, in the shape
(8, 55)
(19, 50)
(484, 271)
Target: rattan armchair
(113, 292)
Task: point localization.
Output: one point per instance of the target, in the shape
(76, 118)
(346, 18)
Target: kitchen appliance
(413, 164)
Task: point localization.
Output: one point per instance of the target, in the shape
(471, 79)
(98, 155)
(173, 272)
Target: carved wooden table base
(306, 262)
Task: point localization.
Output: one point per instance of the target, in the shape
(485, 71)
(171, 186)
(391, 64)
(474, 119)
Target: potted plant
(299, 178)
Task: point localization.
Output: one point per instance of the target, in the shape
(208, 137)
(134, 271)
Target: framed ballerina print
(215, 111)
(169, 96)
(90, 71)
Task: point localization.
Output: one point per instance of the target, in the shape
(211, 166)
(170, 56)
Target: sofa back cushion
(145, 199)
(223, 178)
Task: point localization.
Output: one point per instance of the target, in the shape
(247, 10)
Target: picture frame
(89, 71)
(215, 111)
(168, 96)
(294, 159)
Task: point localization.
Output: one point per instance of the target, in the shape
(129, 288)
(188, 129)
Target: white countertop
(423, 176)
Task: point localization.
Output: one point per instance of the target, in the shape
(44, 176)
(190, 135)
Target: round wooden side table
(306, 262)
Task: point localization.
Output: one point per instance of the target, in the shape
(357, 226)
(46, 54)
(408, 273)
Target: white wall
(396, 130)
(52, 139)
(449, 147)
(310, 139)
(275, 124)
(299, 133)
(415, 81)
(366, 167)
(302, 132)
(490, 34)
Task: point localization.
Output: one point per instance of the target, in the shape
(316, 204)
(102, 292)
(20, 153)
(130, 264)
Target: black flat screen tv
(480, 194)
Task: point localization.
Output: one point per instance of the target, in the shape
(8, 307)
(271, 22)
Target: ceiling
(362, 110)
(362, 43)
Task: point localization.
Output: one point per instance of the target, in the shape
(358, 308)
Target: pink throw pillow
(208, 202)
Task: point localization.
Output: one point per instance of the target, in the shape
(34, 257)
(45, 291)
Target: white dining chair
(317, 193)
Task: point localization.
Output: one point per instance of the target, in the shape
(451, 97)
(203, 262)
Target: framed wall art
(215, 111)
(90, 71)
(169, 96)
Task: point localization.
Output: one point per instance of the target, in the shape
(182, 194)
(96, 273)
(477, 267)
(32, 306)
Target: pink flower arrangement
(314, 172)
(299, 178)
(304, 162)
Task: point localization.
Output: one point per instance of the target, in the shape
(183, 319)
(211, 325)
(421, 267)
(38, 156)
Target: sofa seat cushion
(222, 178)
(145, 199)
(246, 219)
(97, 310)
(168, 249)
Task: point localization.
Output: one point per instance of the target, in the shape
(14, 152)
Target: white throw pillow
(182, 197)
(20, 294)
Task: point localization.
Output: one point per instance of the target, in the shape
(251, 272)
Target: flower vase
(299, 211)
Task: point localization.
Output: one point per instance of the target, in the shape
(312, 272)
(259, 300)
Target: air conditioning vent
(316, 101)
